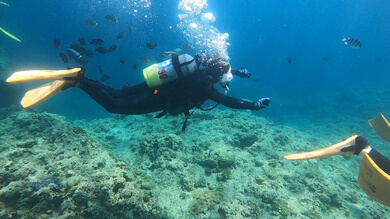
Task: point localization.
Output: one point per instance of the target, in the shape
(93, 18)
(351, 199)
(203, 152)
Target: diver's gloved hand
(244, 73)
(262, 103)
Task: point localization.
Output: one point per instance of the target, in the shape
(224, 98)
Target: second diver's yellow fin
(374, 181)
(35, 75)
(381, 126)
(43, 92)
(325, 152)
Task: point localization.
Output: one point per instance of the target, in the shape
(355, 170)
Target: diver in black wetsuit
(176, 97)
(174, 86)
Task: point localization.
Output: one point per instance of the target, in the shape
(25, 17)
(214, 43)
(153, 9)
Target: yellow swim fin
(373, 180)
(43, 92)
(336, 149)
(381, 126)
(36, 75)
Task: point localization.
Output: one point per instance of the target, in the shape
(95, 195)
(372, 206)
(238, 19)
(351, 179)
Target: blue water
(352, 83)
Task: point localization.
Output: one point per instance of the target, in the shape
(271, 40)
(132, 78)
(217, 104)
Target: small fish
(64, 58)
(79, 48)
(379, 60)
(135, 66)
(151, 45)
(325, 58)
(112, 48)
(123, 60)
(82, 41)
(56, 43)
(120, 35)
(256, 80)
(187, 47)
(131, 29)
(352, 42)
(101, 50)
(100, 69)
(96, 41)
(89, 53)
(74, 55)
(168, 54)
(144, 59)
(111, 18)
(90, 23)
(104, 78)
(289, 60)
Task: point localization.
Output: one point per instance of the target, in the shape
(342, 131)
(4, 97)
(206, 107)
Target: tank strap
(209, 109)
(177, 67)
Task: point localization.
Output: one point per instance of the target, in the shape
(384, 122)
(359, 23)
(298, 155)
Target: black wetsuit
(174, 98)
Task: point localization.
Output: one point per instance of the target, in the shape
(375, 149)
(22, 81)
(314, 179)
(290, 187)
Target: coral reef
(227, 164)
(51, 168)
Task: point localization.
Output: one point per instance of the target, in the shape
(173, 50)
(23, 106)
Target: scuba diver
(374, 172)
(174, 86)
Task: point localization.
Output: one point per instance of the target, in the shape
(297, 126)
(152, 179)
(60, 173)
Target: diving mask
(226, 78)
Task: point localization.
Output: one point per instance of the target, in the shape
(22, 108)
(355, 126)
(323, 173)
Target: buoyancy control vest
(170, 70)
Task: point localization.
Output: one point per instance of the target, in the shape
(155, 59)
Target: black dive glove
(262, 103)
(242, 73)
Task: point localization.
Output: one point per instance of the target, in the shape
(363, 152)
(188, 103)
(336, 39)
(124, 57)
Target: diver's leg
(134, 100)
(380, 160)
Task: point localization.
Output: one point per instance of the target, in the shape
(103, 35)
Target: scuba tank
(170, 70)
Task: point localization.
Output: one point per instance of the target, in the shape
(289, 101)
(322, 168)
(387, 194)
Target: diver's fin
(335, 149)
(374, 181)
(381, 126)
(43, 92)
(36, 75)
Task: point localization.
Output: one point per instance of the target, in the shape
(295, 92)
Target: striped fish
(352, 42)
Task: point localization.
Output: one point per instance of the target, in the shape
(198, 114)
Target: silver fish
(352, 42)
(90, 23)
(168, 54)
(111, 18)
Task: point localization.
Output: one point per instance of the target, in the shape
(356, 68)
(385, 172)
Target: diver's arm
(231, 102)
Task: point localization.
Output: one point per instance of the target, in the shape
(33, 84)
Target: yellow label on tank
(151, 76)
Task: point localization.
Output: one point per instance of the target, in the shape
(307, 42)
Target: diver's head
(219, 71)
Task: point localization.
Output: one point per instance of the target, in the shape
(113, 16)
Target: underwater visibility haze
(325, 65)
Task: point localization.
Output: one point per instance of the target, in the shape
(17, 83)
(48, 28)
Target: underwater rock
(45, 178)
(147, 185)
(218, 159)
(204, 201)
(282, 208)
(72, 181)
